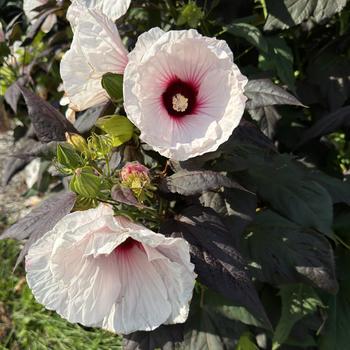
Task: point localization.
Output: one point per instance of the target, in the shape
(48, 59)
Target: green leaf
(190, 14)
(113, 84)
(283, 252)
(248, 32)
(246, 342)
(119, 128)
(68, 157)
(298, 301)
(279, 58)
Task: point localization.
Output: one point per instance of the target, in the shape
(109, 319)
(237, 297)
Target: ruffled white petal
(107, 271)
(113, 9)
(142, 304)
(96, 49)
(207, 63)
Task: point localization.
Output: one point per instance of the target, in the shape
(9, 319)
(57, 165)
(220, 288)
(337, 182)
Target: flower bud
(86, 183)
(68, 157)
(134, 169)
(78, 142)
(99, 146)
(136, 177)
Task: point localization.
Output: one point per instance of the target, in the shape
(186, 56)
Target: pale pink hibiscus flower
(99, 270)
(96, 49)
(183, 91)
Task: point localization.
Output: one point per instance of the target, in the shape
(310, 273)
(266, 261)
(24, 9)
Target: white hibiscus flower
(113, 9)
(100, 270)
(96, 49)
(29, 7)
(183, 91)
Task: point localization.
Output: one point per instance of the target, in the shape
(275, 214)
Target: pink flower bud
(134, 169)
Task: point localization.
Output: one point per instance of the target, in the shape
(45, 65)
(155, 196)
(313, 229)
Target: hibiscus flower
(100, 270)
(96, 49)
(183, 91)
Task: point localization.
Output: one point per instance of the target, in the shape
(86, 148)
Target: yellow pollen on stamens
(180, 103)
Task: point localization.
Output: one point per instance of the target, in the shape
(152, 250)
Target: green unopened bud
(190, 14)
(83, 203)
(86, 183)
(77, 142)
(68, 157)
(99, 146)
(119, 128)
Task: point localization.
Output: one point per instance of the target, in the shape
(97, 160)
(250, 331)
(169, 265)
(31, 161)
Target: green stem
(264, 8)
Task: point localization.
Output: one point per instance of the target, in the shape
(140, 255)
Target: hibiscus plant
(192, 161)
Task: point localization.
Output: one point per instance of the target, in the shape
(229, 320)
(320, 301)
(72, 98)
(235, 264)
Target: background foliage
(270, 211)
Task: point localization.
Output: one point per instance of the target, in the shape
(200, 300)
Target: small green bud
(77, 142)
(83, 203)
(190, 14)
(99, 146)
(68, 157)
(119, 128)
(86, 183)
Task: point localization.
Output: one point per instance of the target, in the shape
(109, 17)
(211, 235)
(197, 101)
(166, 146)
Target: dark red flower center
(180, 98)
(127, 245)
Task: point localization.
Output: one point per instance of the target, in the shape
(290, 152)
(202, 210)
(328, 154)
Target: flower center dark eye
(180, 98)
(127, 245)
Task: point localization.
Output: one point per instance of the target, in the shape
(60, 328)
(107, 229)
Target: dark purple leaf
(13, 93)
(263, 93)
(288, 253)
(248, 133)
(189, 183)
(328, 124)
(164, 337)
(237, 208)
(124, 195)
(40, 220)
(218, 263)
(13, 164)
(34, 28)
(48, 122)
(87, 119)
